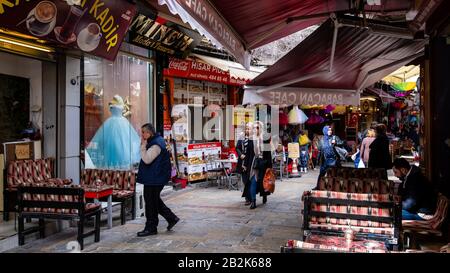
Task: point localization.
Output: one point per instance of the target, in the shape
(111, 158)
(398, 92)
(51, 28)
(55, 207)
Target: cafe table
(97, 192)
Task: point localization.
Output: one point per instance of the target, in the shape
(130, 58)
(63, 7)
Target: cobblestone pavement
(212, 220)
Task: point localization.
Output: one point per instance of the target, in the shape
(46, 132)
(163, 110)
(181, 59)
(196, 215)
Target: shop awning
(384, 96)
(237, 71)
(242, 25)
(403, 74)
(361, 56)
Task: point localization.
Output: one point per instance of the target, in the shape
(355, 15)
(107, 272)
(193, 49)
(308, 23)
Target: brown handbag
(269, 181)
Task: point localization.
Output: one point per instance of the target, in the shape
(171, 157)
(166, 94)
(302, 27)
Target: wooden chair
(412, 229)
(279, 164)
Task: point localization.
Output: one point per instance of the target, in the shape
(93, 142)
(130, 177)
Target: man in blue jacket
(154, 174)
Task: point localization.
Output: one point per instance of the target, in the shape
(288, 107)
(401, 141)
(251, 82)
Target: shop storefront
(197, 94)
(41, 61)
(28, 101)
(118, 100)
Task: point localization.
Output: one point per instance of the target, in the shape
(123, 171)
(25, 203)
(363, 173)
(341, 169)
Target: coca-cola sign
(178, 65)
(198, 70)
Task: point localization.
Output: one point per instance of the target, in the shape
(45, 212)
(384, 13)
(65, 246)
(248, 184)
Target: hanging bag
(361, 164)
(269, 181)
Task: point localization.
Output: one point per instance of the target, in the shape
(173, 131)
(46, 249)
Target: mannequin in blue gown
(115, 145)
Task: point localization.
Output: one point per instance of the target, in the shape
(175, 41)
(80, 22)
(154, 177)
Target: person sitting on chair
(418, 198)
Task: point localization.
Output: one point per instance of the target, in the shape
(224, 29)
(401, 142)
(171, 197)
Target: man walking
(154, 174)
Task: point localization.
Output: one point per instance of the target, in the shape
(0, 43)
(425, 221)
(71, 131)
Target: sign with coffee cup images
(94, 26)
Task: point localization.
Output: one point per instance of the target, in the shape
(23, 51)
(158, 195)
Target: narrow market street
(212, 220)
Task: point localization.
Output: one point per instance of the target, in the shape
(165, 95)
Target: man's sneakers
(173, 223)
(145, 233)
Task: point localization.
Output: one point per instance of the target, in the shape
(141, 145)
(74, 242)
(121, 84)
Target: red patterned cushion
(325, 184)
(129, 181)
(122, 193)
(118, 179)
(91, 207)
(37, 169)
(59, 181)
(340, 184)
(337, 227)
(356, 185)
(47, 167)
(353, 196)
(85, 176)
(95, 175)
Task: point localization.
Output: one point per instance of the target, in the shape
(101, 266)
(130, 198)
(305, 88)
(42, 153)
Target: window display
(118, 99)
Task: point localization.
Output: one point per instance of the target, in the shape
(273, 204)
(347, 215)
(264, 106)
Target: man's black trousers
(154, 206)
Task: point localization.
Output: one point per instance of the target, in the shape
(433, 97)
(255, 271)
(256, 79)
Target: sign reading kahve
(148, 32)
(303, 96)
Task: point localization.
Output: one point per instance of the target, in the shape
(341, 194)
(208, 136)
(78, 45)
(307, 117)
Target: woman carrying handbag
(261, 162)
(246, 154)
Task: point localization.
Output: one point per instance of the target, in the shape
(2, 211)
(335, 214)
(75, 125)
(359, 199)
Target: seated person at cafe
(418, 197)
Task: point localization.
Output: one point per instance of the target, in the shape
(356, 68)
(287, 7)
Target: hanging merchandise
(399, 105)
(329, 108)
(340, 110)
(314, 118)
(296, 116)
(404, 86)
(283, 118)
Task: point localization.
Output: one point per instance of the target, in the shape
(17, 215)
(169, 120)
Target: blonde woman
(261, 162)
(365, 146)
(246, 154)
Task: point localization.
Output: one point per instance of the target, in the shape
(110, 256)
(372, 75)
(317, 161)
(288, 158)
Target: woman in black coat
(246, 154)
(379, 156)
(261, 162)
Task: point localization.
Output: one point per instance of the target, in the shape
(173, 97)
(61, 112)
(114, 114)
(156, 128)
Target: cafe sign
(94, 26)
(300, 96)
(155, 35)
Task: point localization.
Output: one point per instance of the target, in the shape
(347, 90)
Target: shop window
(118, 99)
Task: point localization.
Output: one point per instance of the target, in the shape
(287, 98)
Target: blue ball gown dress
(116, 143)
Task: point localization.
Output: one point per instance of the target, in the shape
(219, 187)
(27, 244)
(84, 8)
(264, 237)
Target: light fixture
(368, 98)
(373, 2)
(25, 44)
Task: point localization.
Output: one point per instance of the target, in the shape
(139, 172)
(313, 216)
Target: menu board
(217, 94)
(198, 92)
(180, 91)
(198, 157)
(293, 150)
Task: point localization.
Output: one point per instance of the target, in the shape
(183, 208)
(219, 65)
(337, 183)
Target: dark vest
(156, 173)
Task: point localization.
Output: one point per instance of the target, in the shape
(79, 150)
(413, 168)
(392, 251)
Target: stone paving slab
(212, 220)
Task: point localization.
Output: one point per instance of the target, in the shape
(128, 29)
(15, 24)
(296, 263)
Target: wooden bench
(371, 216)
(43, 201)
(19, 172)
